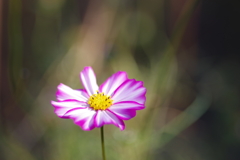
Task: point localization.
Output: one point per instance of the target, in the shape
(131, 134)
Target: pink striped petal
(62, 107)
(126, 110)
(130, 90)
(124, 114)
(127, 105)
(83, 117)
(89, 80)
(113, 82)
(64, 92)
(105, 117)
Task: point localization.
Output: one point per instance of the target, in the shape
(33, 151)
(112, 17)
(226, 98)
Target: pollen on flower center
(100, 101)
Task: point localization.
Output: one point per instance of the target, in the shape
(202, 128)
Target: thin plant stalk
(102, 142)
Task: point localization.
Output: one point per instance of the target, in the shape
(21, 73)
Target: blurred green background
(185, 51)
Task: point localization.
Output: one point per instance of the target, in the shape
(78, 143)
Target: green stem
(102, 141)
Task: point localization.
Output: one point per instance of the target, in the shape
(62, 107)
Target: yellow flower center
(100, 101)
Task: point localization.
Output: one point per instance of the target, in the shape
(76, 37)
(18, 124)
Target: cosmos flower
(117, 99)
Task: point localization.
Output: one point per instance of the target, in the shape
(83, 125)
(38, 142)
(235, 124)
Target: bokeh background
(185, 51)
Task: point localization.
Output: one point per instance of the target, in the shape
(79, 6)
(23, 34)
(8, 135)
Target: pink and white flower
(117, 99)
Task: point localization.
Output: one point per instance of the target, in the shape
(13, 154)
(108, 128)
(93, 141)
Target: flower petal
(113, 82)
(62, 107)
(89, 80)
(126, 110)
(124, 114)
(64, 92)
(83, 117)
(106, 117)
(127, 105)
(130, 90)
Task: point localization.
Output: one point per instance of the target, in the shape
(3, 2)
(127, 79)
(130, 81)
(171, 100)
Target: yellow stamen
(100, 101)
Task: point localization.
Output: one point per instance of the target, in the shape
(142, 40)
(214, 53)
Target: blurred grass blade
(184, 120)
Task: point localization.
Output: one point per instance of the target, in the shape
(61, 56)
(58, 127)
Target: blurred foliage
(192, 109)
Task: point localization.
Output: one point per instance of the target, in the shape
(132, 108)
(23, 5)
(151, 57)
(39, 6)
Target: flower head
(117, 99)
